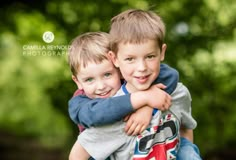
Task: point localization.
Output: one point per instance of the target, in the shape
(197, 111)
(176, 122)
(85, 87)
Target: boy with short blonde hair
(137, 42)
(94, 73)
(91, 46)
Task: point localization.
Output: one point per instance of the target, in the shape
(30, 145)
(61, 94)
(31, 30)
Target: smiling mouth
(104, 95)
(142, 79)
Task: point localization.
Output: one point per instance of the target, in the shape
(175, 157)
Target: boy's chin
(142, 87)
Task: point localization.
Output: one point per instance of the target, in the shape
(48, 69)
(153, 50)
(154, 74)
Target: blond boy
(137, 44)
(95, 74)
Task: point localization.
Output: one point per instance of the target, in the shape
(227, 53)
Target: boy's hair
(136, 26)
(88, 47)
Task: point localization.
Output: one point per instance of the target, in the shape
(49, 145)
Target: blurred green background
(35, 79)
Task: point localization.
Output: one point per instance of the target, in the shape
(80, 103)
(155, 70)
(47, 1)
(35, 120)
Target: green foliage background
(35, 83)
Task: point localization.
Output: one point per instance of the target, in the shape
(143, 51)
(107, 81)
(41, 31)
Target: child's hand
(138, 121)
(157, 98)
(127, 117)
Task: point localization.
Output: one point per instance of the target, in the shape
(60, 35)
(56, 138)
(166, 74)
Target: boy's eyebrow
(153, 52)
(133, 54)
(84, 77)
(110, 69)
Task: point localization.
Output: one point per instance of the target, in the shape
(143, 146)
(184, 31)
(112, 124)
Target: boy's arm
(137, 122)
(93, 112)
(182, 101)
(186, 133)
(169, 77)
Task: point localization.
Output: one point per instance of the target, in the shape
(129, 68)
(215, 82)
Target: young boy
(137, 42)
(138, 48)
(88, 54)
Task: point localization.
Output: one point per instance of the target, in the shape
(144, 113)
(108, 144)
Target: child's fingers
(160, 85)
(129, 125)
(169, 100)
(142, 129)
(126, 118)
(136, 130)
(129, 130)
(167, 103)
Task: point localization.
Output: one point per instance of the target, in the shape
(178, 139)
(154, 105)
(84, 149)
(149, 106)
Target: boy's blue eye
(128, 59)
(89, 80)
(151, 56)
(107, 74)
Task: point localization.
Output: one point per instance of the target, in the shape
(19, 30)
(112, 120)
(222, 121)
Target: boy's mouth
(104, 94)
(142, 79)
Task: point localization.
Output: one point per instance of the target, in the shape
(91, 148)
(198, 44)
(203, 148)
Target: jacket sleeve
(94, 112)
(169, 77)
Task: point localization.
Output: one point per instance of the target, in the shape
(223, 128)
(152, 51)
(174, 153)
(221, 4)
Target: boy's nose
(142, 66)
(100, 85)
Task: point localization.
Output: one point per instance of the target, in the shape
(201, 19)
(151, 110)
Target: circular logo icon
(48, 37)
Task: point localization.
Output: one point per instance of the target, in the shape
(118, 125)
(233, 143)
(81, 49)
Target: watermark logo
(48, 37)
(46, 49)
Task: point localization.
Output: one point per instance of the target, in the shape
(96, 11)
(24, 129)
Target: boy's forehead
(136, 42)
(93, 64)
(84, 62)
(122, 44)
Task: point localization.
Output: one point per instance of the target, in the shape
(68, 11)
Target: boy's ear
(113, 58)
(74, 78)
(163, 51)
